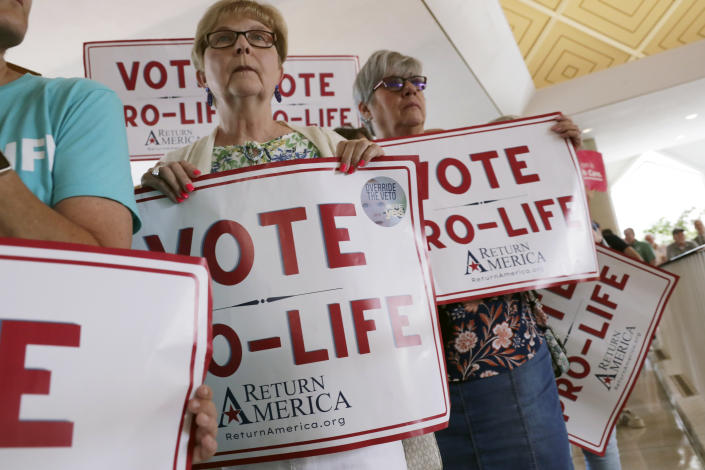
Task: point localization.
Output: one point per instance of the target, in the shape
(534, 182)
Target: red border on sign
(335, 161)
(435, 135)
(280, 169)
(671, 281)
(519, 286)
(312, 453)
(74, 247)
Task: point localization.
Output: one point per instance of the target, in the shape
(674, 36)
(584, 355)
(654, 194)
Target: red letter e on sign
(332, 236)
(15, 335)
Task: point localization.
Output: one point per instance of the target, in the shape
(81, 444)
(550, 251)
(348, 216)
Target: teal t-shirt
(645, 250)
(65, 137)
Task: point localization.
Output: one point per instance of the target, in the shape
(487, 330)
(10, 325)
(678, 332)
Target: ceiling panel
(552, 4)
(526, 23)
(565, 39)
(627, 22)
(571, 53)
(686, 24)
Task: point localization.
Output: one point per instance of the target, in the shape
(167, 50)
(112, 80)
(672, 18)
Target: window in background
(657, 186)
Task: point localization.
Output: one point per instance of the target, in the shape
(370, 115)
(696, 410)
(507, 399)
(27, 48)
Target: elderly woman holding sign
(238, 52)
(505, 412)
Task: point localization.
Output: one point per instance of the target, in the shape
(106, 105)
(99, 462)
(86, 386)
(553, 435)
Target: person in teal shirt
(65, 171)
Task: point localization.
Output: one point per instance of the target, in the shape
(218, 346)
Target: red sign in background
(592, 168)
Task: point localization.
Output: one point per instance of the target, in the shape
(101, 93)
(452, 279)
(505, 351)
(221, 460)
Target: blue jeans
(511, 421)
(609, 461)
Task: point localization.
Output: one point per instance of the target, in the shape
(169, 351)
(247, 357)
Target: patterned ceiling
(565, 39)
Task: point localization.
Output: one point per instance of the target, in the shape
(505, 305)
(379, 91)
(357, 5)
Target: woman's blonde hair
(265, 14)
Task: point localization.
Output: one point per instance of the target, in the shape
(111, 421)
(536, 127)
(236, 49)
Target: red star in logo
(233, 415)
(475, 267)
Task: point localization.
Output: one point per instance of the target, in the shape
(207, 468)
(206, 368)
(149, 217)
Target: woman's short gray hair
(382, 64)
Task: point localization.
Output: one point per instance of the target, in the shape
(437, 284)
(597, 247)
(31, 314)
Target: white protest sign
(100, 351)
(607, 326)
(165, 108)
(506, 208)
(325, 331)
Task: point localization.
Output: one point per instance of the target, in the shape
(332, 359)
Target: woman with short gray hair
(384, 70)
(505, 412)
(380, 64)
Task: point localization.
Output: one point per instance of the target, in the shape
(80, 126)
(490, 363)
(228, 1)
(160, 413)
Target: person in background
(680, 245)
(238, 52)
(616, 243)
(659, 250)
(643, 248)
(64, 171)
(700, 229)
(505, 412)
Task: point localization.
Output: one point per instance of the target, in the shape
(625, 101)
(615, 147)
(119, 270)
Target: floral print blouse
(287, 147)
(486, 337)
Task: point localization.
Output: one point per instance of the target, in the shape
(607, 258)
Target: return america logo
(287, 399)
(502, 257)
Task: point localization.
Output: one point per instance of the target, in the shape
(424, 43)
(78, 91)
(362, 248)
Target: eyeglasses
(397, 83)
(226, 38)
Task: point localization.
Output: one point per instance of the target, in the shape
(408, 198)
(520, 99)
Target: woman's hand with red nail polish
(356, 153)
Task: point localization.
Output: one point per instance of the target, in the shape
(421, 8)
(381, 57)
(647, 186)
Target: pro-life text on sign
(100, 351)
(165, 108)
(325, 330)
(506, 208)
(607, 326)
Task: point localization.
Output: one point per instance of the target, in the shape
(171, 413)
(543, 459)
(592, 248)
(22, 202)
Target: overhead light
(691, 116)
(587, 131)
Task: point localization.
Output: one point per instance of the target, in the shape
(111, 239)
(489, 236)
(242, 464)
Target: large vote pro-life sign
(100, 351)
(506, 208)
(324, 324)
(165, 108)
(607, 326)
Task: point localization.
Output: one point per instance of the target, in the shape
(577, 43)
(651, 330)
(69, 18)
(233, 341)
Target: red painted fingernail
(343, 168)
(190, 187)
(361, 163)
(184, 195)
(197, 172)
(180, 199)
(351, 170)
